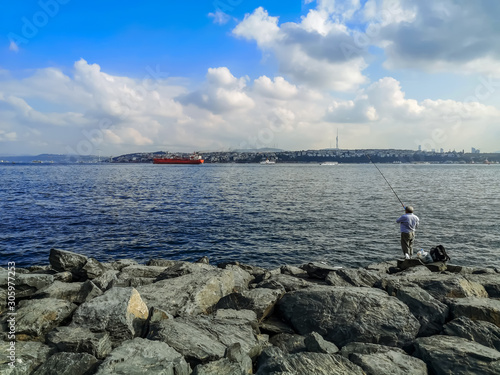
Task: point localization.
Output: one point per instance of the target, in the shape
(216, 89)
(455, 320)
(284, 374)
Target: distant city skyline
(113, 78)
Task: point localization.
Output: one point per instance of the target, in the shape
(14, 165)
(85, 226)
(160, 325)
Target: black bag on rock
(438, 254)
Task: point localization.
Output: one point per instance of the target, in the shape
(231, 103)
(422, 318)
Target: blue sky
(215, 75)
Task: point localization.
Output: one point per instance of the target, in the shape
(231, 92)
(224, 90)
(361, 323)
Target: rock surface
(120, 311)
(382, 360)
(242, 319)
(140, 356)
(347, 314)
(457, 356)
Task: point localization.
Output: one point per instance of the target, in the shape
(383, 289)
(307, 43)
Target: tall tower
(337, 143)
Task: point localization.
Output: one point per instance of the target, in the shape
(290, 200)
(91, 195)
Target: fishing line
(375, 165)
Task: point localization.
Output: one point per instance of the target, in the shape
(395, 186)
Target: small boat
(329, 163)
(193, 159)
(267, 161)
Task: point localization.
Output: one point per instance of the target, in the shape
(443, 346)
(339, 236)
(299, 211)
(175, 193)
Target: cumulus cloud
(457, 36)
(311, 52)
(222, 92)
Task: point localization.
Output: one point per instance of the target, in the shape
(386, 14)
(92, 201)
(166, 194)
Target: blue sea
(265, 215)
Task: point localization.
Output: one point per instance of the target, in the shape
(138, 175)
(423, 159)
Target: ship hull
(178, 161)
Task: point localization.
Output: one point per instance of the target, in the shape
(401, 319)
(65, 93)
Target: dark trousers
(407, 243)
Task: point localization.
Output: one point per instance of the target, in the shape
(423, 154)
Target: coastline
(167, 316)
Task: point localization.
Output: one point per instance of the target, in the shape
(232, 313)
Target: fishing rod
(375, 165)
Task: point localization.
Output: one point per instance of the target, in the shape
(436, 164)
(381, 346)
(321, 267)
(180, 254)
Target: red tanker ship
(193, 159)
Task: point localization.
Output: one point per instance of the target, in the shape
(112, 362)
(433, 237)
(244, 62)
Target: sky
(116, 77)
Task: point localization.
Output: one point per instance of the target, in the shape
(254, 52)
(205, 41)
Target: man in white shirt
(408, 224)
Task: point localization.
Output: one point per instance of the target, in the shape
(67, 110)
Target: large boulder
(317, 344)
(189, 294)
(490, 282)
(69, 364)
(284, 282)
(484, 333)
(430, 313)
(457, 356)
(235, 362)
(120, 311)
(37, 317)
(476, 309)
(62, 260)
(80, 340)
(140, 356)
(277, 362)
(355, 277)
(346, 314)
(26, 284)
(449, 286)
(318, 270)
(72, 292)
(259, 300)
(382, 360)
(205, 338)
(28, 356)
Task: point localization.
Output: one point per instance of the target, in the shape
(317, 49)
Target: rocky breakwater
(80, 316)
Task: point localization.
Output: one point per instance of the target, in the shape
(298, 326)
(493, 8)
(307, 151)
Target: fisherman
(408, 224)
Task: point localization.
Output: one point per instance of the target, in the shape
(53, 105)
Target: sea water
(265, 215)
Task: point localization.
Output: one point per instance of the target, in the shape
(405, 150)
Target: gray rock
(80, 340)
(122, 263)
(318, 270)
(65, 277)
(293, 271)
(203, 260)
(72, 292)
(190, 294)
(260, 300)
(284, 282)
(93, 268)
(289, 343)
(181, 269)
(317, 344)
(28, 356)
(69, 364)
(308, 363)
(459, 269)
(120, 311)
(490, 282)
(449, 286)
(238, 315)
(156, 315)
(357, 277)
(476, 309)
(334, 279)
(140, 356)
(457, 356)
(241, 277)
(382, 267)
(105, 281)
(275, 325)
(235, 362)
(37, 317)
(194, 343)
(343, 315)
(135, 271)
(62, 260)
(162, 262)
(205, 338)
(484, 333)
(26, 284)
(382, 360)
(430, 313)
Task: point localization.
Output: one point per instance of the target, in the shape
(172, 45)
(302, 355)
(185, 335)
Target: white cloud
(444, 36)
(220, 17)
(13, 46)
(311, 52)
(278, 88)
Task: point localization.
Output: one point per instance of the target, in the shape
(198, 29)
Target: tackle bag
(438, 254)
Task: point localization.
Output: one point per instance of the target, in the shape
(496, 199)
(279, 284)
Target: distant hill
(264, 149)
(48, 158)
